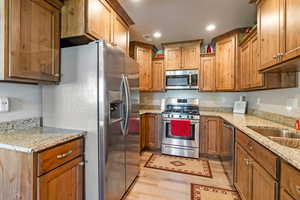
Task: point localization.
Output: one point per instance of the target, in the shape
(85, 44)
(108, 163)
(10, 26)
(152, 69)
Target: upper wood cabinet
(120, 34)
(31, 41)
(268, 32)
(190, 57)
(158, 75)
(226, 63)
(142, 53)
(182, 55)
(207, 72)
(87, 20)
(278, 28)
(250, 76)
(172, 58)
(210, 136)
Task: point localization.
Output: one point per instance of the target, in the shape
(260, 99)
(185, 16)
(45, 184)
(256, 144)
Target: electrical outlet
(4, 104)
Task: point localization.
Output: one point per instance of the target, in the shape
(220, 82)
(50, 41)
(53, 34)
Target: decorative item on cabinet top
(84, 21)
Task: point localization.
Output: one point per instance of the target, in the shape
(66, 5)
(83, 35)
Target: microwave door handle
(190, 80)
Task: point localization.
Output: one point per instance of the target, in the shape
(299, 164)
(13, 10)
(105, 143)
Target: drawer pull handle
(64, 154)
(298, 189)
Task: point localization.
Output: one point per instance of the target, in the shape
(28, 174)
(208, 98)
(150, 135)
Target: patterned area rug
(202, 192)
(180, 164)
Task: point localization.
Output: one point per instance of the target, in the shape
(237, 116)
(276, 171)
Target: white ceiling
(180, 20)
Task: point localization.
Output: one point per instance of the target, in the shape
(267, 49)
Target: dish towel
(180, 128)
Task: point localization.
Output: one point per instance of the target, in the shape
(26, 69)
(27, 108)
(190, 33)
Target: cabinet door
(208, 73)
(190, 57)
(65, 182)
(284, 195)
(34, 40)
(211, 136)
(99, 16)
(158, 74)
(245, 66)
(173, 58)
(242, 180)
(121, 34)
(268, 32)
(152, 125)
(144, 59)
(290, 28)
(256, 78)
(225, 64)
(263, 185)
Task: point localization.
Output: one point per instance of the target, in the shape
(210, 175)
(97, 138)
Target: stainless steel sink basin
(282, 136)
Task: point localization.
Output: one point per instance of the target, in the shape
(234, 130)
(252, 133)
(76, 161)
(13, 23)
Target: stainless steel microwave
(182, 79)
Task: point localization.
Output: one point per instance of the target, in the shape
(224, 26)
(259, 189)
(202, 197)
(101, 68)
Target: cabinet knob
(275, 57)
(57, 75)
(81, 164)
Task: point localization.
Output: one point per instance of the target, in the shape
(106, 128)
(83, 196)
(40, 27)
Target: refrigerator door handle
(125, 112)
(128, 103)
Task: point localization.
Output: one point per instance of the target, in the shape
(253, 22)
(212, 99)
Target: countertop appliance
(186, 110)
(182, 79)
(227, 150)
(99, 93)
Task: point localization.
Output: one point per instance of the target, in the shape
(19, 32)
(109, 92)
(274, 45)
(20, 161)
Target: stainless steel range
(176, 112)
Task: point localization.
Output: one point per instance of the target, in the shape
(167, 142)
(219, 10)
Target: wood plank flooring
(153, 184)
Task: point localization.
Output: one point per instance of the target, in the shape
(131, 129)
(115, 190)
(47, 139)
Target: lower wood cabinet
(53, 174)
(253, 178)
(210, 136)
(150, 131)
(290, 182)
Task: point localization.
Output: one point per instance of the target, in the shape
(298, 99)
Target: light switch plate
(4, 104)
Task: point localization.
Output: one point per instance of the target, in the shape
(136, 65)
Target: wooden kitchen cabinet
(158, 75)
(268, 32)
(256, 170)
(51, 174)
(31, 33)
(190, 57)
(182, 55)
(226, 64)
(65, 182)
(207, 72)
(142, 53)
(84, 21)
(290, 182)
(242, 179)
(278, 28)
(210, 136)
(172, 58)
(150, 131)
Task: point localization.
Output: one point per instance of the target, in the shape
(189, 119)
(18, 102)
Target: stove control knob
(180, 116)
(192, 117)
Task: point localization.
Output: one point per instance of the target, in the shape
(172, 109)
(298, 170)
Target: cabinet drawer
(263, 156)
(57, 156)
(290, 180)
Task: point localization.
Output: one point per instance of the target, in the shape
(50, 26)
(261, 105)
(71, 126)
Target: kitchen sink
(282, 136)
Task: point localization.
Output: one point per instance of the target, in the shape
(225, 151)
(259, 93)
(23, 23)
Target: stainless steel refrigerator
(99, 93)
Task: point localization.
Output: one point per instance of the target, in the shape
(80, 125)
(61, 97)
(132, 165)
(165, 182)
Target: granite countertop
(36, 139)
(151, 111)
(291, 155)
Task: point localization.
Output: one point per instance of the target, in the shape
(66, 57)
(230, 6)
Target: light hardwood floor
(154, 184)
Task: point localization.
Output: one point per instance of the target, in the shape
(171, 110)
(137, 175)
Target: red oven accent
(181, 128)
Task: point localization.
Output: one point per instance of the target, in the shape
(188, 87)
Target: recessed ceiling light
(157, 34)
(210, 27)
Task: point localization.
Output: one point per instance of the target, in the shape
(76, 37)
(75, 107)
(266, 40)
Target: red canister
(298, 125)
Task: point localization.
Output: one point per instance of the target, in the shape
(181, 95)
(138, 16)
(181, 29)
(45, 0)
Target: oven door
(192, 141)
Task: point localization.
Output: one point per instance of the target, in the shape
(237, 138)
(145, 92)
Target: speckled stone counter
(150, 111)
(241, 122)
(36, 139)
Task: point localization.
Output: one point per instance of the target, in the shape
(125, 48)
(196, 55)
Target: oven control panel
(180, 116)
